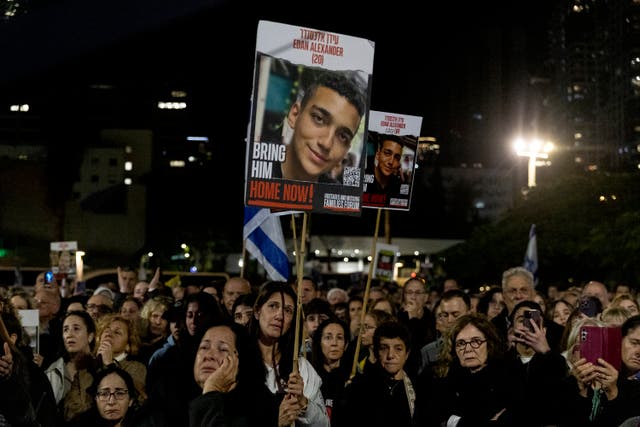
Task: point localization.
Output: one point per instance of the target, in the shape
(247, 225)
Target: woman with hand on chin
(229, 369)
(118, 342)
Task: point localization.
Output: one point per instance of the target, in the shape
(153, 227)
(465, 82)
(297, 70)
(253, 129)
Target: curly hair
(448, 356)
(133, 338)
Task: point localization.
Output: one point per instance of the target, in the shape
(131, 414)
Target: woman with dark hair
(472, 386)
(114, 400)
(229, 371)
(491, 302)
(327, 348)
(366, 356)
(170, 384)
(297, 393)
(383, 395)
(71, 374)
(242, 309)
(559, 312)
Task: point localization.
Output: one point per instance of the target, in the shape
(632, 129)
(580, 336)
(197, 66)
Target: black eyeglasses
(473, 342)
(104, 395)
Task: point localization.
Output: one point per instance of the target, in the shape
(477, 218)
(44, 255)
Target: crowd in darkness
(231, 353)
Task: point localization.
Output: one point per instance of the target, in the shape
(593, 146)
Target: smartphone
(48, 277)
(81, 287)
(589, 306)
(601, 342)
(532, 315)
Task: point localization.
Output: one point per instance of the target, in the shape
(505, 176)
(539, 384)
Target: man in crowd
(233, 288)
(517, 286)
(453, 304)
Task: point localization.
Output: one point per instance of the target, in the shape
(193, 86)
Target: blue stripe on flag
(265, 241)
(531, 256)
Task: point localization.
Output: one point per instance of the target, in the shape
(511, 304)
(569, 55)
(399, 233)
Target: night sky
(422, 53)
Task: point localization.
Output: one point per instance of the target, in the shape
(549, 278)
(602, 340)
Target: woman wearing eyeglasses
(472, 386)
(114, 400)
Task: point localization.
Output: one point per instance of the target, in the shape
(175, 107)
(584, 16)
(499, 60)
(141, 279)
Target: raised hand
(105, 350)
(585, 374)
(607, 378)
(155, 280)
(537, 339)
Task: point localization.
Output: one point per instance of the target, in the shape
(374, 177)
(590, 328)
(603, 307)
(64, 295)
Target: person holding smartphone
(542, 369)
(619, 390)
(527, 334)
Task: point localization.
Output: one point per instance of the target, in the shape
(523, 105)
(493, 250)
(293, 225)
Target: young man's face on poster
(323, 129)
(388, 157)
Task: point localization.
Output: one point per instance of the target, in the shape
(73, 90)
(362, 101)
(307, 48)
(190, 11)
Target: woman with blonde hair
(614, 316)
(628, 302)
(118, 342)
(572, 351)
(155, 329)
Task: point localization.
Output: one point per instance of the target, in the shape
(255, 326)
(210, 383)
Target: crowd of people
(138, 353)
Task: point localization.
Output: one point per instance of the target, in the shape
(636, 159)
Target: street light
(533, 149)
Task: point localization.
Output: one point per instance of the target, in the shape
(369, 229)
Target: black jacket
(373, 399)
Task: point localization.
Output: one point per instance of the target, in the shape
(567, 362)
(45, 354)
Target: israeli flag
(265, 241)
(531, 256)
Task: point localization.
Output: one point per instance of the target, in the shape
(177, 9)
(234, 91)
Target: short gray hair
(517, 271)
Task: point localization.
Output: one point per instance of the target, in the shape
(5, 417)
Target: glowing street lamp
(534, 149)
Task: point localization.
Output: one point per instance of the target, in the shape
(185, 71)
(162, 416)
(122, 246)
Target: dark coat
(234, 409)
(524, 391)
(475, 397)
(170, 386)
(16, 408)
(373, 399)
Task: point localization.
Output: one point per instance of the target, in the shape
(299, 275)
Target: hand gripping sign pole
(365, 298)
